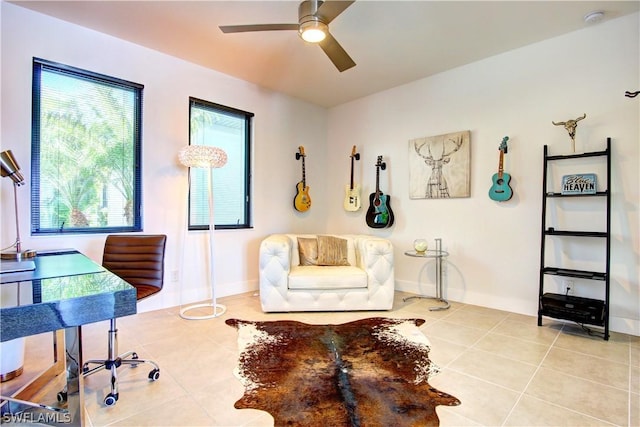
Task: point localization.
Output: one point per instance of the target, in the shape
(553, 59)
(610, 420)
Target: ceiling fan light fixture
(313, 31)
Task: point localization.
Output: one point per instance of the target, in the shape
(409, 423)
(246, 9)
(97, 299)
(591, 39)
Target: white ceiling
(392, 42)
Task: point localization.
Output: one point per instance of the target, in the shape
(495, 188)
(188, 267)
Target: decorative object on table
(420, 245)
(368, 372)
(207, 157)
(440, 166)
(500, 191)
(379, 214)
(629, 94)
(352, 198)
(10, 168)
(302, 200)
(438, 254)
(581, 183)
(571, 126)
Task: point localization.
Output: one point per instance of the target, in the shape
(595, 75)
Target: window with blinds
(86, 150)
(229, 129)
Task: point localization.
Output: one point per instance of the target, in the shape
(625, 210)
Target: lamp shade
(10, 167)
(202, 156)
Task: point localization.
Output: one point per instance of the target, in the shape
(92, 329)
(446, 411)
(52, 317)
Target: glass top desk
(65, 291)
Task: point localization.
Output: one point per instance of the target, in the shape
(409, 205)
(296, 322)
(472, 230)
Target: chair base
(130, 358)
(218, 310)
(112, 363)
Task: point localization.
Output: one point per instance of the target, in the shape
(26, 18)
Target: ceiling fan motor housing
(307, 11)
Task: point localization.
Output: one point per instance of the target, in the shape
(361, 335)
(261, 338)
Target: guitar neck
(501, 164)
(351, 184)
(377, 180)
(304, 178)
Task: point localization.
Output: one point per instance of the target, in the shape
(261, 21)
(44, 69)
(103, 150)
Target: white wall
(281, 125)
(495, 246)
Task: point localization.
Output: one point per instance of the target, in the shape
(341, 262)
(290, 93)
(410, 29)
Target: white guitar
(352, 190)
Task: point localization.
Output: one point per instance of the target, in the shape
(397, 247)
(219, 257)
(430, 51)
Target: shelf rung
(549, 232)
(583, 274)
(596, 194)
(577, 155)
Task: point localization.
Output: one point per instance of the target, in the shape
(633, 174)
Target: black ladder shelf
(570, 307)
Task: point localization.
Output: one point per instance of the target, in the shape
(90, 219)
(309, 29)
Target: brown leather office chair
(139, 260)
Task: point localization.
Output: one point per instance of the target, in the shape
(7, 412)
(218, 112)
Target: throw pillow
(308, 250)
(332, 251)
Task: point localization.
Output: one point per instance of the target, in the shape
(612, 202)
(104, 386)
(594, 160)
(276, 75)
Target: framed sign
(582, 183)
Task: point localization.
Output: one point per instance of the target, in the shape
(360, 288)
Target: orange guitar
(302, 200)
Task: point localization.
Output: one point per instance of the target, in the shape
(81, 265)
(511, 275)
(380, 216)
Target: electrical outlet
(567, 287)
(175, 276)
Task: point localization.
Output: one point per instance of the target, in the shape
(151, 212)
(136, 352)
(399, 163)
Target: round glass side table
(438, 254)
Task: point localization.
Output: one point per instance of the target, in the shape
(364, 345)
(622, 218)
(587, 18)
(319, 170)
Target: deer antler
(458, 144)
(418, 147)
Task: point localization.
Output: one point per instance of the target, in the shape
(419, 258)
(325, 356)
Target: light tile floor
(503, 367)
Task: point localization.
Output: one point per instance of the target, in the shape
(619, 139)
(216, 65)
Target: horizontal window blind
(86, 145)
(229, 129)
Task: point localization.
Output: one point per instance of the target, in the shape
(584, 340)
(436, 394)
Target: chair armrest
(275, 262)
(375, 257)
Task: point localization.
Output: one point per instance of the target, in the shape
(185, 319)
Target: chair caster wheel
(110, 399)
(62, 396)
(154, 374)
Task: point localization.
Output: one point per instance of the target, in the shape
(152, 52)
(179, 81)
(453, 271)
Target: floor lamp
(10, 168)
(201, 156)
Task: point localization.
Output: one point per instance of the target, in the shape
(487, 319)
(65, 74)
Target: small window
(229, 129)
(85, 157)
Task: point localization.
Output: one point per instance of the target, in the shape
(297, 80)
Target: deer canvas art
(439, 166)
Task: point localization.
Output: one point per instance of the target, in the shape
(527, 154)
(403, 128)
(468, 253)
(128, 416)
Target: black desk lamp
(11, 169)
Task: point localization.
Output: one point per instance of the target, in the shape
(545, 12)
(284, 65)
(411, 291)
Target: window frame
(137, 89)
(248, 124)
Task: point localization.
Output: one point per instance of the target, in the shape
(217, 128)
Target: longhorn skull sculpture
(570, 126)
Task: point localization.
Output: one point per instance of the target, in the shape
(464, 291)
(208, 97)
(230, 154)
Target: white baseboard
(512, 305)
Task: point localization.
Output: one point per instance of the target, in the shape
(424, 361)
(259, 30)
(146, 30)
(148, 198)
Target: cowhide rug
(370, 372)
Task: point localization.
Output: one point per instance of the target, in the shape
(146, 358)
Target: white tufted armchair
(367, 283)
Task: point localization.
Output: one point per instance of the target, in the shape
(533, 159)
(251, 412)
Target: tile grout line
(531, 379)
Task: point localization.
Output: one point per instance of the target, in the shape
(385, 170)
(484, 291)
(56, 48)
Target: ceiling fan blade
(336, 53)
(257, 27)
(328, 10)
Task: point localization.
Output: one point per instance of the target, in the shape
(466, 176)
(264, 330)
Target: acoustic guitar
(302, 200)
(379, 214)
(500, 191)
(352, 191)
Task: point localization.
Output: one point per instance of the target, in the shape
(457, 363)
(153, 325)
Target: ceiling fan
(314, 17)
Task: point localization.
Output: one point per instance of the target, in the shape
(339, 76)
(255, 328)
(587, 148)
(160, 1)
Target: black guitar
(379, 214)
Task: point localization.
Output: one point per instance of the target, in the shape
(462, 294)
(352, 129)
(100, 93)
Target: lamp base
(218, 310)
(18, 256)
